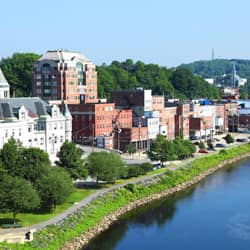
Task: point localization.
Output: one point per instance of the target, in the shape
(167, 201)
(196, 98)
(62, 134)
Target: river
(214, 214)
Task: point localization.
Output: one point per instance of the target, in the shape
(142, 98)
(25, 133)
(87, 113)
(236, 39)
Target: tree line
(173, 83)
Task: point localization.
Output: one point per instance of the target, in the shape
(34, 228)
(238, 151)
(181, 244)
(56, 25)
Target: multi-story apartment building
(35, 124)
(65, 76)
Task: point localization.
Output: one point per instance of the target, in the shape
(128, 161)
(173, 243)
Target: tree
(11, 157)
(54, 188)
(17, 195)
(228, 138)
(104, 166)
(35, 163)
(18, 72)
(162, 150)
(131, 148)
(70, 159)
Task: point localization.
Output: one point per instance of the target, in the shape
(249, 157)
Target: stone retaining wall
(82, 240)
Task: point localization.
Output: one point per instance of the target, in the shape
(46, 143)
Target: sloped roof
(35, 106)
(63, 55)
(3, 81)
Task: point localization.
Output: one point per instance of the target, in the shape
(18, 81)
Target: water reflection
(213, 214)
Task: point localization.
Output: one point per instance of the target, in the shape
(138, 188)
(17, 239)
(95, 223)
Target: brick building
(182, 120)
(65, 75)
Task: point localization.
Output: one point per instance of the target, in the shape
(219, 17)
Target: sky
(165, 32)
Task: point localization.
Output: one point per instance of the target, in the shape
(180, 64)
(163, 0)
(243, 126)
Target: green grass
(55, 236)
(31, 218)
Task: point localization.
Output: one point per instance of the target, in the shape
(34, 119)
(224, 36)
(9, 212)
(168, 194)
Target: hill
(219, 67)
(180, 82)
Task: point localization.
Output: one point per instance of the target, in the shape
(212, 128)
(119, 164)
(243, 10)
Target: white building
(4, 86)
(35, 124)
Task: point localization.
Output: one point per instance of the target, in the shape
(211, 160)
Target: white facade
(147, 100)
(4, 86)
(153, 125)
(35, 124)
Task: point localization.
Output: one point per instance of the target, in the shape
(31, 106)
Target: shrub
(202, 145)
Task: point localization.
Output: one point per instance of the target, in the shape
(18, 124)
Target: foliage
(35, 163)
(116, 76)
(104, 166)
(70, 159)
(165, 150)
(11, 157)
(54, 237)
(192, 86)
(131, 148)
(202, 145)
(228, 138)
(54, 188)
(219, 67)
(16, 194)
(18, 72)
(137, 170)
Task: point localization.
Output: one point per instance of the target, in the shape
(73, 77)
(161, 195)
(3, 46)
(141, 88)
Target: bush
(202, 145)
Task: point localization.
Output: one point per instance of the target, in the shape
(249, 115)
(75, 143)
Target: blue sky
(166, 32)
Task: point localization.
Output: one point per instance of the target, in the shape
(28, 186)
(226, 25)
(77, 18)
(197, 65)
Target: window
(20, 132)
(61, 138)
(30, 129)
(38, 76)
(55, 125)
(6, 133)
(54, 84)
(38, 83)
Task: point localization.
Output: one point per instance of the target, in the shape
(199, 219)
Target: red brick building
(135, 135)
(182, 120)
(65, 75)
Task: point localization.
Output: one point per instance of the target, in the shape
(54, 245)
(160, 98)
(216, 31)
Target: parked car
(194, 137)
(203, 151)
(242, 140)
(220, 145)
(156, 166)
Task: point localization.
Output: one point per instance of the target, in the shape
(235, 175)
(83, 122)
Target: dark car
(220, 145)
(242, 140)
(194, 137)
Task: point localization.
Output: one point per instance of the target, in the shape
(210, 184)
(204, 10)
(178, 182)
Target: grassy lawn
(31, 218)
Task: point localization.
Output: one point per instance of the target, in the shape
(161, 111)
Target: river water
(214, 214)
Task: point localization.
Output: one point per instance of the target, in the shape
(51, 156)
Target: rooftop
(63, 55)
(3, 81)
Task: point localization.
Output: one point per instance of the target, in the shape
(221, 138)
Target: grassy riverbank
(30, 218)
(54, 237)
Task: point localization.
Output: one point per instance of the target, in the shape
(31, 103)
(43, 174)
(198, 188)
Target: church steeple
(4, 86)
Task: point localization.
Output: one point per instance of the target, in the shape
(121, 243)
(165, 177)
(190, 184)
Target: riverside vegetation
(54, 237)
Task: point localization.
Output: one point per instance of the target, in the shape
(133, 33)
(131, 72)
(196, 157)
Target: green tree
(18, 72)
(17, 195)
(104, 166)
(162, 150)
(202, 145)
(35, 163)
(131, 148)
(11, 157)
(54, 188)
(70, 159)
(228, 138)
